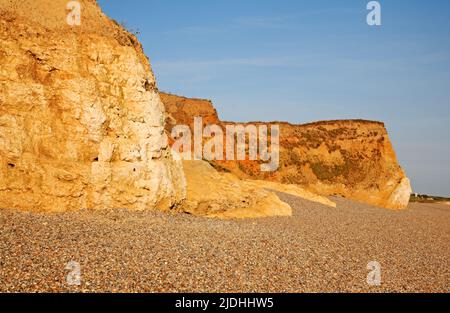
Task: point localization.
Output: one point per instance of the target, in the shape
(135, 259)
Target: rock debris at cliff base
(319, 248)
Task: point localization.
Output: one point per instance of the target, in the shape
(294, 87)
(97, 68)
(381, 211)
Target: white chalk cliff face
(81, 121)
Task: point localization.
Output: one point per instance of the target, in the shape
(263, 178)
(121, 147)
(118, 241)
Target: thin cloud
(195, 65)
(282, 21)
(271, 22)
(238, 24)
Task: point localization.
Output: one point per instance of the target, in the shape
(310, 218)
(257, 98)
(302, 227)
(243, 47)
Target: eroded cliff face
(213, 193)
(349, 158)
(81, 121)
(182, 109)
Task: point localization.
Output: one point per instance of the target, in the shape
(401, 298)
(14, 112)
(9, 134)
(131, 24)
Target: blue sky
(302, 61)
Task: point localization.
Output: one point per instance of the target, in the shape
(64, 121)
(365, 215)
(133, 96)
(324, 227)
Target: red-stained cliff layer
(350, 158)
(184, 109)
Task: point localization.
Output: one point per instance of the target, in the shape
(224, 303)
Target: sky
(303, 61)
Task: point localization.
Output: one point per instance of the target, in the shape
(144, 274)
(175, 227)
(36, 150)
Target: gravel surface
(317, 249)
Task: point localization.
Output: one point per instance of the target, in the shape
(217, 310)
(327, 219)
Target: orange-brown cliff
(181, 110)
(350, 158)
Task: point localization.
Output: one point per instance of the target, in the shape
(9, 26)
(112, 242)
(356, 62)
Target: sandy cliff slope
(222, 195)
(350, 158)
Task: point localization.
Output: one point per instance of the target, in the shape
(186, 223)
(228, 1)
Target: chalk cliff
(81, 121)
(350, 158)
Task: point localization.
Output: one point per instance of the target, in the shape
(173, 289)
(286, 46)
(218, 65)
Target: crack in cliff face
(81, 119)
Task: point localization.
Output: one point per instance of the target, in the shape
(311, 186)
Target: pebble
(318, 249)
